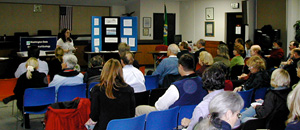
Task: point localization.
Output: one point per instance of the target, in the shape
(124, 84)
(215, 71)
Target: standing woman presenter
(66, 42)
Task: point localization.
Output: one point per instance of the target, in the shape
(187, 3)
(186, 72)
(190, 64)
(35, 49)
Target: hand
(185, 122)
(90, 122)
(237, 89)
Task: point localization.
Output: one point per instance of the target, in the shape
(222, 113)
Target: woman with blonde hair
(112, 98)
(30, 79)
(273, 108)
(55, 64)
(293, 103)
(205, 60)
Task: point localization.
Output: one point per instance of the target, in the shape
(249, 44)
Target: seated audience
(187, 90)
(112, 98)
(274, 106)
(298, 75)
(258, 78)
(29, 79)
(201, 46)
(240, 41)
(168, 65)
(183, 47)
(94, 70)
(205, 60)
(293, 104)
(33, 51)
(237, 59)
(291, 68)
(224, 111)
(55, 64)
(68, 76)
(132, 76)
(293, 45)
(213, 81)
(228, 83)
(276, 55)
(222, 55)
(248, 45)
(122, 48)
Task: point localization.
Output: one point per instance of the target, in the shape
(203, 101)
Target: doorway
(235, 29)
(158, 26)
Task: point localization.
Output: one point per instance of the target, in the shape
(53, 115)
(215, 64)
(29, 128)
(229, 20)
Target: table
(155, 54)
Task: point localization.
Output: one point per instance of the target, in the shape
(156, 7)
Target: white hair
(70, 60)
(173, 48)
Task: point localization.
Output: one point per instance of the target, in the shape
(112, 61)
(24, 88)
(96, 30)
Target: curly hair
(213, 78)
(256, 62)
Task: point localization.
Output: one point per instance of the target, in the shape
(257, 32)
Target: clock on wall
(37, 8)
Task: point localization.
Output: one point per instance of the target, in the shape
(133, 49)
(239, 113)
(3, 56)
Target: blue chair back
(39, 97)
(136, 123)
(151, 81)
(90, 88)
(260, 93)
(185, 111)
(68, 93)
(247, 97)
(162, 120)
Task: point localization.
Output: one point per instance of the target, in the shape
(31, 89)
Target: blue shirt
(165, 67)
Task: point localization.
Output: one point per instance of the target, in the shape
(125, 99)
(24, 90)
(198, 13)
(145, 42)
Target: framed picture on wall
(209, 13)
(209, 29)
(146, 32)
(147, 22)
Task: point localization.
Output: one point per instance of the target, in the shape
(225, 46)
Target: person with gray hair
(124, 47)
(224, 111)
(201, 46)
(168, 65)
(94, 70)
(68, 76)
(222, 55)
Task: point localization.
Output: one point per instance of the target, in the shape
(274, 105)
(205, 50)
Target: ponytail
(29, 70)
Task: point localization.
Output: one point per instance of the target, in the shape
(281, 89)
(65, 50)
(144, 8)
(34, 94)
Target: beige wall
(273, 12)
(21, 18)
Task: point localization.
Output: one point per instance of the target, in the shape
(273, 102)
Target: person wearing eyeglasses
(258, 78)
(273, 108)
(224, 111)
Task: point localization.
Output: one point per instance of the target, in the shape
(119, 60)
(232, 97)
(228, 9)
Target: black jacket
(257, 80)
(274, 108)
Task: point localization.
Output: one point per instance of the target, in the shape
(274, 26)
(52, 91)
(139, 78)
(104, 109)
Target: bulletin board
(108, 32)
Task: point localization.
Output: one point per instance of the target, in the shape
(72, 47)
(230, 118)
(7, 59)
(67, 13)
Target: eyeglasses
(239, 115)
(251, 67)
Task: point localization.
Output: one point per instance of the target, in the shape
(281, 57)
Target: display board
(45, 43)
(108, 32)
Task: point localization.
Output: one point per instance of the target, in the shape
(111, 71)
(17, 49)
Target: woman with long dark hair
(65, 41)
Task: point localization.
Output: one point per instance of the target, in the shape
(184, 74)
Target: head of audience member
(127, 58)
(186, 64)
(223, 51)
(238, 50)
(296, 53)
(248, 44)
(225, 106)
(293, 103)
(59, 53)
(95, 62)
(200, 43)
(298, 69)
(112, 74)
(183, 46)
(69, 61)
(205, 58)
(66, 35)
(239, 41)
(31, 65)
(256, 64)
(122, 48)
(172, 49)
(280, 78)
(213, 78)
(33, 51)
(222, 66)
(255, 50)
(293, 45)
(277, 44)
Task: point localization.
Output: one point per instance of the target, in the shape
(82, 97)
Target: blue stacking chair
(162, 120)
(90, 88)
(136, 123)
(34, 97)
(247, 97)
(68, 93)
(260, 93)
(151, 81)
(185, 111)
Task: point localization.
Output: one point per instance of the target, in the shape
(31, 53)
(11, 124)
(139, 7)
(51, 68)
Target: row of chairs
(157, 120)
(248, 96)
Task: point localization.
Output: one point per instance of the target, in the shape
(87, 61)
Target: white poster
(111, 40)
(96, 31)
(111, 21)
(96, 42)
(128, 31)
(111, 31)
(132, 42)
(127, 22)
(124, 40)
(96, 21)
(96, 49)
(238, 30)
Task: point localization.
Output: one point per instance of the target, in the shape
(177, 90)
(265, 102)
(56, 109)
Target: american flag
(66, 13)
